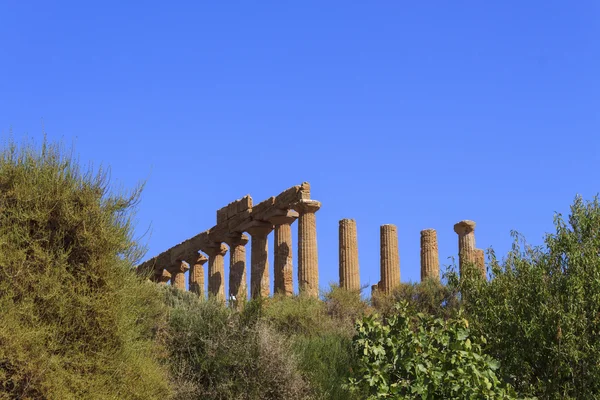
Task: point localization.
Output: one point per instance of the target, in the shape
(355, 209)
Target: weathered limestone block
(480, 261)
(283, 271)
(348, 257)
(234, 208)
(162, 277)
(216, 271)
(466, 243)
(430, 262)
(177, 271)
(237, 268)
(259, 260)
(196, 281)
(308, 261)
(390, 259)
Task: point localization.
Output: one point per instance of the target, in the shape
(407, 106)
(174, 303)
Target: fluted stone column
(178, 274)
(348, 258)
(390, 259)
(308, 261)
(430, 262)
(216, 271)
(466, 243)
(259, 260)
(480, 261)
(284, 267)
(237, 268)
(196, 281)
(162, 277)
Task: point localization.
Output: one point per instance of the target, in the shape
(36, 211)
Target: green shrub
(411, 355)
(76, 322)
(541, 309)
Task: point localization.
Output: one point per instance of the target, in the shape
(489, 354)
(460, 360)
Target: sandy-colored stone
(178, 270)
(390, 258)
(162, 277)
(238, 292)
(480, 262)
(430, 262)
(196, 276)
(466, 242)
(259, 260)
(283, 264)
(308, 260)
(216, 271)
(348, 255)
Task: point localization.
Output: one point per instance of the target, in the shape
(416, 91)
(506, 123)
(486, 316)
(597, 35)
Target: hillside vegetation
(78, 323)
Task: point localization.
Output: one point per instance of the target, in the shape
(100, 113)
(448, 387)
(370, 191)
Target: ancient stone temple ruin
(241, 222)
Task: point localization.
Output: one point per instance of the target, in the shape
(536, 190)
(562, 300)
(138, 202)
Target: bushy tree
(541, 309)
(76, 322)
(410, 355)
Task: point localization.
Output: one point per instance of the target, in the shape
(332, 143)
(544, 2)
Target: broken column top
(464, 226)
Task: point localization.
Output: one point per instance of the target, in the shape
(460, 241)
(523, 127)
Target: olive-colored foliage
(76, 322)
(410, 355)
(541, 309)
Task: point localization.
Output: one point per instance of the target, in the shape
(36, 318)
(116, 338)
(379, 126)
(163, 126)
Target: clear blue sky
(418, 114)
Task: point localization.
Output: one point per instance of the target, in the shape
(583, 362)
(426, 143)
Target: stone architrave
(259, 260)
(308, 260)
(348, 257)
(162, 277)
(283, 263)
(466, 243)
(216, 271)
(430, 262)
(480, 261)
(238, 292)
(196, 281)
(178, 271)
(390, 258)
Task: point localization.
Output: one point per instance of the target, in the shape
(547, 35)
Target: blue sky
(418, 114)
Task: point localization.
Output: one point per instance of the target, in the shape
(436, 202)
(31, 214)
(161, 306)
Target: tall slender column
(216, 271)
(162, 277)
(308, 260)
(237, 268)
(348, 258)
(259, 260)
(480, 261)
(466, 243)
(196, 283)
(430, 262)
(177, 274)
(283, 269)
(390, 258)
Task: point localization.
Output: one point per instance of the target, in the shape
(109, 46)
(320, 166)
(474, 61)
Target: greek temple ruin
(241, 222)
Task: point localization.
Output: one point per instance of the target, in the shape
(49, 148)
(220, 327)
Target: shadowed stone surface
(259, 260)
(216, 271)
(283, 262)
(308, 262)
(480, 262)
(196, 277)
(237, 267)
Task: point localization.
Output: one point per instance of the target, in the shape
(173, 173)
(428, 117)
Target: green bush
(541, 309)
(411, 355)
(76, 322)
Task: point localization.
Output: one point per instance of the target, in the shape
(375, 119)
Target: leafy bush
(411, 355)
(541, 309)
(76, 322)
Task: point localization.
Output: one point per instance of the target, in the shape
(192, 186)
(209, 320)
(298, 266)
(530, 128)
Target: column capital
(287, 217)
(304, 206)
(163, 277)
(179, 267)
(219, 250)
(260, 228)
(234, 239)
(465, 226)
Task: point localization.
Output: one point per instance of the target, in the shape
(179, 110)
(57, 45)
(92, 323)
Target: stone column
(390, 259)
(238, 292)
(178, 274)
(348, 258)
(480, 262)
(216, 271)
(430, 262)
(162, 277)
(466, 243)
(196, 283)
(308, 261)
(259, 260)
(284, 267)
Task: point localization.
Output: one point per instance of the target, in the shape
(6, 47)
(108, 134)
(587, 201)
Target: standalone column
(237, 268)
(196, 284)
(284, 267)
(466, 243)
(390, 259)
(216, 271)
(430, 262)
(349, 274)
(163, 277)
(480, 261)
(177, 274)
(308, 261)
(259, 260)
